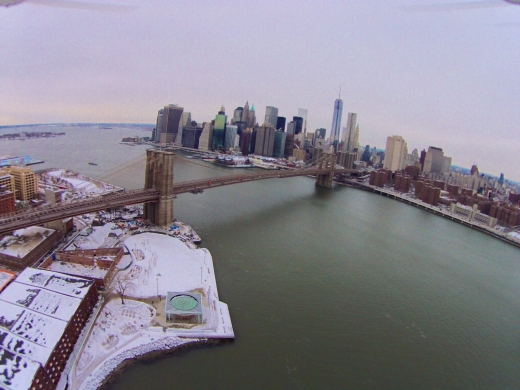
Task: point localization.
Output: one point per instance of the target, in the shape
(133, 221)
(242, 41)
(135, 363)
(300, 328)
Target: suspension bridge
(159, 190)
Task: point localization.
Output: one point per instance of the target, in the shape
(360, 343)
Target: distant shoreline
(431, 209)
(86, 124)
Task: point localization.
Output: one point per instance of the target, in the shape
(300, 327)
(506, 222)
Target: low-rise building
(97, 264)
(42, 316)
(7, 201)
(25, 247)
(473, 214)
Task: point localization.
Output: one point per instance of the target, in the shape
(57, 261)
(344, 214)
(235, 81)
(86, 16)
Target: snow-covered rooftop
(34, 312)
(53, 281)
(40, 300)
(19, 372)
(23, 241)
(5, 278)
(90, 271)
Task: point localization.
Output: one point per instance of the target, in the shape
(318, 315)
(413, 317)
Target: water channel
(327, 289)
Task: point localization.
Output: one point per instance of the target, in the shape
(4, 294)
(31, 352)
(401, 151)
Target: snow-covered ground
(96, 237)
(159, 263)
(514, 236)
(75, 185)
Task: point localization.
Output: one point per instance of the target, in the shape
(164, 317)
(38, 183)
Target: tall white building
(355, 140)
(395, 153)
(302, 113)
(206, 137)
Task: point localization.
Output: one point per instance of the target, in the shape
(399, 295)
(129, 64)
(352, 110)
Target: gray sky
(439, 77)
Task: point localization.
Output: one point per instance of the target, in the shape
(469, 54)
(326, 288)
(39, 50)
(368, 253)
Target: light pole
(157, 283)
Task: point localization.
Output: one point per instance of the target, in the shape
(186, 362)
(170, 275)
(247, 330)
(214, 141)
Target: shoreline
(431, 209)
(123, 332)
(127, 362)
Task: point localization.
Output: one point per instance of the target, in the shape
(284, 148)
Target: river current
(327, 289)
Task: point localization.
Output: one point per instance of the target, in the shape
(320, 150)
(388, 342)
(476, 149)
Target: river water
(327, 289)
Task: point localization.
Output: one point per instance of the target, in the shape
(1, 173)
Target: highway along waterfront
(331, 289)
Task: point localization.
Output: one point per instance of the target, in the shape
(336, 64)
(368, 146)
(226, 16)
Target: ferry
(233, 161)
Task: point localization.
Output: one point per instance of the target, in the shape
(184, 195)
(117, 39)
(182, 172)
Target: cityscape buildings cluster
(422, 172)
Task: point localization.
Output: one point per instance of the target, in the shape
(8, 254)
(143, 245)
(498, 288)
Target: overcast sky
(439, 77)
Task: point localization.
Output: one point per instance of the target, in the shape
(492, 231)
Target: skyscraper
(298, 124)
(280, 123)
(271, 115)
(237, 115)
(206, 137)
(302, 113)
(279, 144)
(351, 132)
(229, 139)
(171, 122)
(219, 129)
(336, 121)
(158, 126)
(395, 153)
(249, 116)
(185, 121)
(355, 142)
(264, 142)
(434, 160)
(291, 127)
(245, 113)
(191, 135)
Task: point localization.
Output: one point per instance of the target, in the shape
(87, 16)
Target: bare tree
(122, 285)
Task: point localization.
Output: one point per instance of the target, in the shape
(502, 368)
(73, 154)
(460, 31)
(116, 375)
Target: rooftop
(35, 310)
(21, 242)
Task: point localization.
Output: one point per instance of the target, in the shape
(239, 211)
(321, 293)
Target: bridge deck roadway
(51, 213)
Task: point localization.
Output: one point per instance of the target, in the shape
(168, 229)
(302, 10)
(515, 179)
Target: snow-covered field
(159, 263)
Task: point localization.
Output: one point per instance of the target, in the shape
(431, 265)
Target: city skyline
(436, 78)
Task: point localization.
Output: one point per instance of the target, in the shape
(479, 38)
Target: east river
(327, 289)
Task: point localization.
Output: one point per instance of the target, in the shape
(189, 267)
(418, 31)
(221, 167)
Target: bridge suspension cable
(196, 163)
(122, 168)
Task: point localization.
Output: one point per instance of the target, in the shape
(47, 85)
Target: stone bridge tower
(159, 175)
(327, 162)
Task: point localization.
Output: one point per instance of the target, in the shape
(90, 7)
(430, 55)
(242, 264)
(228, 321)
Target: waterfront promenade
(446, 213)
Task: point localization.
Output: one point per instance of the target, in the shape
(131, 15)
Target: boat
(233, 161)
(91, 163)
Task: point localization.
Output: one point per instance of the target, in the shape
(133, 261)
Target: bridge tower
(327, 162)
(159, 175)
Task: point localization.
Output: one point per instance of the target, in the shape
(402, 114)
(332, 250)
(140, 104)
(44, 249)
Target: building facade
(271, 115)
(350, 132)
(171, 123)
(336, 121)
(395, 153)
(44, 313)
(219, 129)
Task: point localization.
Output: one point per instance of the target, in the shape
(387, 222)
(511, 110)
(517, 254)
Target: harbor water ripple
(328, 289)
